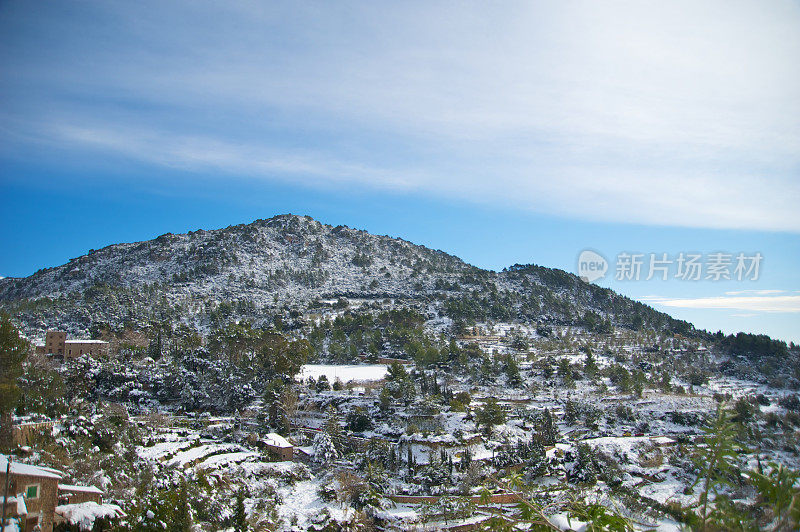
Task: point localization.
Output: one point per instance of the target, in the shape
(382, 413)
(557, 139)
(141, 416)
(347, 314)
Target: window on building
(32, 492)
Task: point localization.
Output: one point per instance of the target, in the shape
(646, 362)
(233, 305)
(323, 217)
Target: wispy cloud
(754, 292)
(204, 153)
(773, 304)
(661, 113)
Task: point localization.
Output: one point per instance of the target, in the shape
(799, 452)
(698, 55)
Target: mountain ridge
(292, 262)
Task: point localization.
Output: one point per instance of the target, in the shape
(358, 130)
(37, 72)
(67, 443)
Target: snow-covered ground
(604, 433)
(301, 503)
(346, 373)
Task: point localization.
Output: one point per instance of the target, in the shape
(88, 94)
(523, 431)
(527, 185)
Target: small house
(56, 343)
(278, 446)
(72, 494)
(36, 497)
(35, 493)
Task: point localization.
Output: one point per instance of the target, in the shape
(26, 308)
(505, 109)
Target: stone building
(34, 493)
(278, 446)
(72, 494)
(77, 348)
(56, 343)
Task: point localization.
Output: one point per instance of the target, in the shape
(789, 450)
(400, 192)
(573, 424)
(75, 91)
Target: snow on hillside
(293, 262)
(344, 373)
(294, 257)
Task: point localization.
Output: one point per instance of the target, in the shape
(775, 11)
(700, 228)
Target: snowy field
(359, 373)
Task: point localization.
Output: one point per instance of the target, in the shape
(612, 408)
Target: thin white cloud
(201, 153)
(665, 113)
(754, 292)
(772, 304)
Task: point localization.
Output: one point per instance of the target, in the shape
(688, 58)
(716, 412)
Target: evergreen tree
(155, 348)
(333, 429)
(239, 516)
(664, 383)
(547, 367)
(589, 365)
(582, 464)
(181, 519)
(396, 372)
(324, 449)
(639, 380)
(778, 491)
(466, 459)
(570, 411)
(717, 463)
(511, 369)
(547, 431)
(322, 384)
(564, 369)
(13, 350)
(489, 415)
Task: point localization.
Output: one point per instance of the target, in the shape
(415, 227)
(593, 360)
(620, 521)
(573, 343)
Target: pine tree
(489, 415)
(570, 411)
(181, 519)
(716, 462)
(548, 433)
(324, 449)
(239, 516)
(333, 429)
(778, 492)
(590, 366)
(13, 350)
(154, 349)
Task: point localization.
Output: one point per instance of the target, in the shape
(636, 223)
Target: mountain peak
(293, 261)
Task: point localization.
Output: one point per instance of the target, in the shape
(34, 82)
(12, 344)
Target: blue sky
(521, 132)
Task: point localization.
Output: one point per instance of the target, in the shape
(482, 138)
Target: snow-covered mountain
(292, 257)
(293, 263)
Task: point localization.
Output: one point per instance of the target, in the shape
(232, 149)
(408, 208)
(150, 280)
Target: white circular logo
(591, 266)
